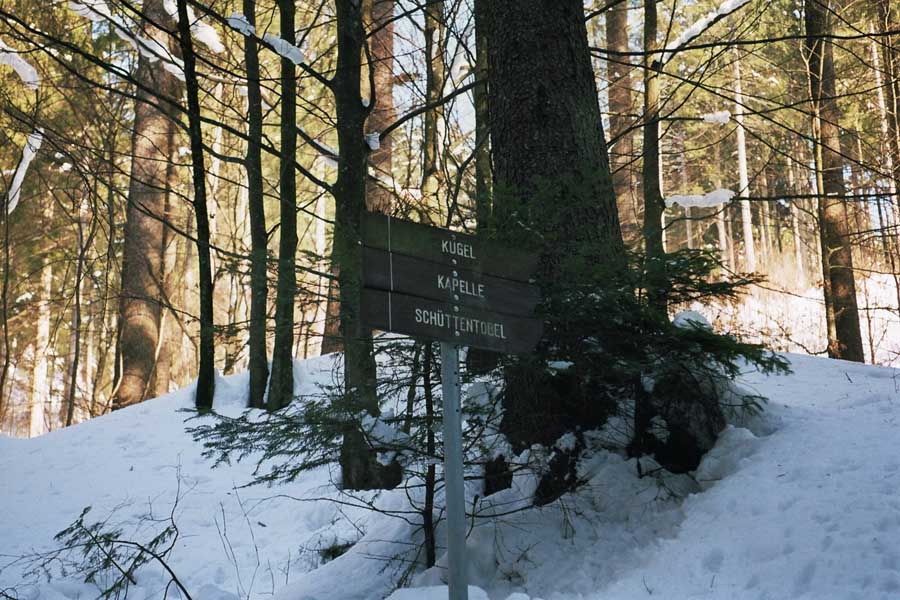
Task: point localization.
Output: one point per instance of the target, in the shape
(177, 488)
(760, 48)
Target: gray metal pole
(453, 473)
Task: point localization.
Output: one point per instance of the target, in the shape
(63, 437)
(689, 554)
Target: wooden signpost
(442, 285)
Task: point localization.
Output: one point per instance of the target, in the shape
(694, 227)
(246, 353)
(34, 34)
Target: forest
(175, 203)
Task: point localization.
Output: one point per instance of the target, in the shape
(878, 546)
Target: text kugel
(441, 319)
(460, 286)
(461, 249)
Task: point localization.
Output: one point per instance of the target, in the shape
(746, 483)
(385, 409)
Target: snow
(240, 23)
(203, 32)
(802, 501)
(720, 117)
(701, 25)
(32, 145)
(714, 198)
(691, 318)
(27, 73)
(29, 76)
(283, 48)
(149, 48)
(373, 141)
(436, 592)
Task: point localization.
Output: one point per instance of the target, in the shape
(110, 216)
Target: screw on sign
(462, 291)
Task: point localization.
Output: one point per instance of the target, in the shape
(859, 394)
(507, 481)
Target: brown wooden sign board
(446, 247)
(454, 285)
(461, 325)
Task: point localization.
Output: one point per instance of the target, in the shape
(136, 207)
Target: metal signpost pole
(453, 472)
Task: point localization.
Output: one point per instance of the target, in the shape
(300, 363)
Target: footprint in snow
(713, 561)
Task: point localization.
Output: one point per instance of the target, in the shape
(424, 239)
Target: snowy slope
(802, 503)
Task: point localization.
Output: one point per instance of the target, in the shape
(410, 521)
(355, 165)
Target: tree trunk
(837, 260)
(553, 186)
(40, 375)
(258, 357)
(378, 18)
(743, 178)
(143, 259)
(359, 470)
(206, 378)
(795, 223)
(76, 316)
(434, 87)
(483, 177)
(281, 387)
(721, 216)
(654, 206)
(891, 89)
(542, 86)
(620, 121)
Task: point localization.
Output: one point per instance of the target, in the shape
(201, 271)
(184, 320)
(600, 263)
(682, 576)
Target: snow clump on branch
(23, 69)
(720, 117)
(704, 23)
(715, 198)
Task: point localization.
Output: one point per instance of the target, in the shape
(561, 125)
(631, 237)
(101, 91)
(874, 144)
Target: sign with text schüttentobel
(443, 285)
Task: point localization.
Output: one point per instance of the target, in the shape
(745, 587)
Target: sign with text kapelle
(435, 283)
(463, 287)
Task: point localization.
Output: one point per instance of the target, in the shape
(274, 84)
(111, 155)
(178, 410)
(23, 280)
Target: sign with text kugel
(439, 284)
(446, 247)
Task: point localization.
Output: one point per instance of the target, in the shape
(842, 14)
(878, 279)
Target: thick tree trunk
(258, 358)
(483, 177)
(546, 126)
(552, 175)
(844, 340)
(654, 245)
(206, 378)
(281, 387)
(143, 259)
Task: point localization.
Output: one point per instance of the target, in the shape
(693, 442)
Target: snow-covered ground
(794, 320)
(803, 502)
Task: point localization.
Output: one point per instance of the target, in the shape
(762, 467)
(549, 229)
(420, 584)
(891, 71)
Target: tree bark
(743, 178)
(281, 386)
(143, 258)
(546, 128)
(654, 246)
(434, 86)
(76, 315)
(620, 121)
(258, 358)
(378, 18)
(206, 377)
(483, 177)
(844, 340)
(359, 470)
(40, 375)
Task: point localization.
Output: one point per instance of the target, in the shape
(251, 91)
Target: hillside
(800, 503)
